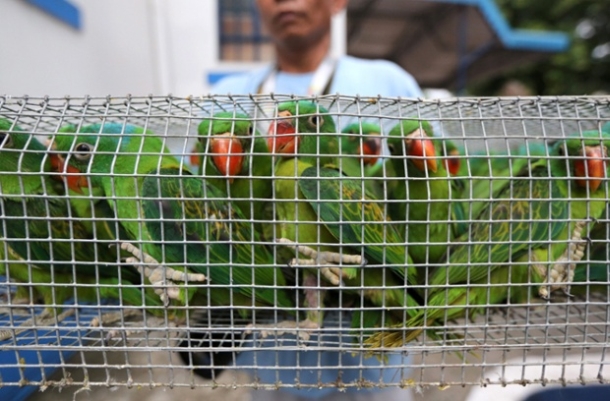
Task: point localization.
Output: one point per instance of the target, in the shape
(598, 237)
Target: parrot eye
(6, 141)
(562, 150)
(315, 120)
(83, 151)
(391, 148)
(250, 130)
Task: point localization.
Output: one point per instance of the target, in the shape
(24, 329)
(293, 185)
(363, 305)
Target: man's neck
(304, 59)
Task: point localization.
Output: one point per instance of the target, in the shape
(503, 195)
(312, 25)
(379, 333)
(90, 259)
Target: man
(301, 34)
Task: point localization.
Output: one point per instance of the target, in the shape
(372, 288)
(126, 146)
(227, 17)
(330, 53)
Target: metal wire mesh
(66, 293)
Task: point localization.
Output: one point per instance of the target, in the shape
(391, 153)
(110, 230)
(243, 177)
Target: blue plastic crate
(30, 358)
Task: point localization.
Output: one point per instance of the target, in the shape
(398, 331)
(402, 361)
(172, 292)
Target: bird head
(71, 175)
(590, 170)
(583, 156)
(226, 137)
(282, 136)
(370, 150)
(419, 146)
(452, 158)
(227, 154)
(296, 118)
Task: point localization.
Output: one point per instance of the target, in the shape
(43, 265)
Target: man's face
(297, 21)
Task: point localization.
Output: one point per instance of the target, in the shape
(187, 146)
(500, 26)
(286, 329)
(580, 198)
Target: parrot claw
(299, 329)
(160, 275)
(315, 258)
(46, 318)
(562, 271)
(108, 319)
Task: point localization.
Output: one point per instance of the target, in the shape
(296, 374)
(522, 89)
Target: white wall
(187, 43)
(136, 47)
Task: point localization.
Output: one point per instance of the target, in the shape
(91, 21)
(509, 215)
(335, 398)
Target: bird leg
(561, 273)
(299, 329)
(107, 319)
(316, 258)
(284, 327)
(45, 318)
(160, 275)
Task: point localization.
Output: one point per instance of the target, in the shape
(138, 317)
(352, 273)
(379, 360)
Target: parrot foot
(160, 275)
(562, 271)
(299, 329)
(107, 319)
(315, 258)
(46, 318)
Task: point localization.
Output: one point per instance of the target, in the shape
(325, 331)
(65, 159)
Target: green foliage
(574, 72)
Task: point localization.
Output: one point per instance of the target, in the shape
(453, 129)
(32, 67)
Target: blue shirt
(353, 76)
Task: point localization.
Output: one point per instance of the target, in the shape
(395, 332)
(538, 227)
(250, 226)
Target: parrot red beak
(71, 175)
(282, 135)
(227, 154)
(195, 157)
(370, 150)
(422, 148)
(452, 163)
(592, 167)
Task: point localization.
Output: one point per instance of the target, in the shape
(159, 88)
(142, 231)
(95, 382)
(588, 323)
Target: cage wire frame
(40, 336)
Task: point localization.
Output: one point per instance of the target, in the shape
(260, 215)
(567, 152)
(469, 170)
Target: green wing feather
(42, 228)
(528, 222)
(366, 221)
(422, 201)
(196, 224)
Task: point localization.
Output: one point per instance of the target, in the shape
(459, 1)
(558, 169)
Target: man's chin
(294, 39)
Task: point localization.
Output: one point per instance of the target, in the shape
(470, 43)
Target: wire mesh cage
(429, 242)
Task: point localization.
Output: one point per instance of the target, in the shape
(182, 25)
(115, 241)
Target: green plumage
(291, 208)
(115, 166)
(142, 182)
(336, 199)
(41, 228)
(486, 174)
(362, 135)
(422, 199)
(195, 224)
(540, 205)
(253, 180)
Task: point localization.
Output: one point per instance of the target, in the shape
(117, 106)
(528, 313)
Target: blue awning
(517, 39)
(445, 43)
(63, 10)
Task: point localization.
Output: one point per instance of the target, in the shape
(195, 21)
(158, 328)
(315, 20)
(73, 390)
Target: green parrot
(424, 192)
(297, 220)
(599, 235)
(550, 207)
(307, 170)
(41, 228)
(236, 160)
(365, 142)
(195, 223)
(98, 216)
(110, 168)
(452, 157)
(487, 173)
(178, 219)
